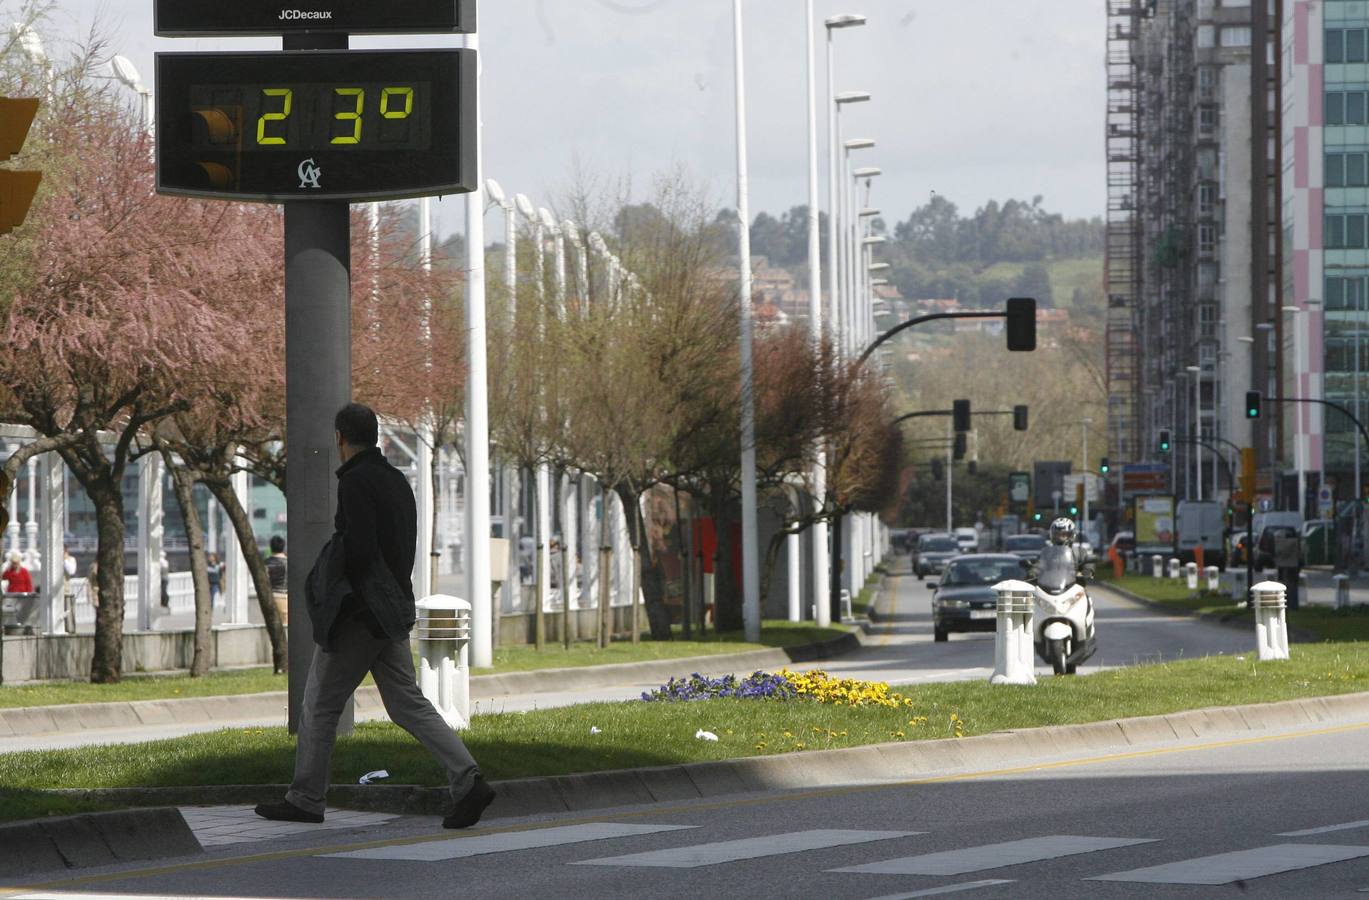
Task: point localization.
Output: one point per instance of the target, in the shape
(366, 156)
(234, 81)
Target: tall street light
(1197, 374)
(850, 237)
(126, 74)
(511, 473)
(836, 226)
(836, 101)
(857, 256)
(815, 324)
(751, 603)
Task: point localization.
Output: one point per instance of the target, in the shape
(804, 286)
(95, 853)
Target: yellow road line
(893, 613)
(675, 809)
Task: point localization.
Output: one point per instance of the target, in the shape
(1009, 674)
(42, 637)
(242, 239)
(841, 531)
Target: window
(1335, 108)
(1207, 119)
(1236, 36)
(1354, 108)
(1355, 175)
(1335, 232)
(1335, 45)
(1335, 170)
(1207, 82)
(1207, 238)
(1205, 36)
(1207, 198)
(1354, 231)
(1354, 45)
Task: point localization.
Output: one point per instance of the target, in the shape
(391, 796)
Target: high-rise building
(1203, 272)
(1325, 196)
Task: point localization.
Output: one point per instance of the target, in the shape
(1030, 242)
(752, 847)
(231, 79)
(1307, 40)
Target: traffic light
(16, 188)
(1253, 401)
(972, 467)
(1074, 510)
(960, 415)
(1164, 440)
(1103, 466)
(958, 450)
(938, 469)
(1036, 517)
(1021, 327)
(1019, 417)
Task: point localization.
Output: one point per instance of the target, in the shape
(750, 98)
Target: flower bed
(813, 685)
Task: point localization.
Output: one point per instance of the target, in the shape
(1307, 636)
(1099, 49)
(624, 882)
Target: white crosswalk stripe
(479, 845)
(949, 889)
(993, 856)
(747, 848)
(1326, 829)
(1241, 865)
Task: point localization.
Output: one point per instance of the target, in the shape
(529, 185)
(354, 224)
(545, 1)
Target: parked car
(1025, 546)
(964, 600)
(1264, 545)
(1124, 542)
(968, 539)
(933, 550)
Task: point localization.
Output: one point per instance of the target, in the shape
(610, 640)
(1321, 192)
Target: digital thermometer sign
(199, 18)
(316, 125)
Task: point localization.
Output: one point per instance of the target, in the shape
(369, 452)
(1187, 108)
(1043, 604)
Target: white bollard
(444, 633)
(1174, 568)
(1342, 590)
(1191, 575)
(1238, 584)
(1157, 566)
(1013, 650)
(1271, 621)
(1213, 579)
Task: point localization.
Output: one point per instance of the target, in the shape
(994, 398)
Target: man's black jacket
(376, 521)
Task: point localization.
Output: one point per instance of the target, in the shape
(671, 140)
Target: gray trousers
(333, 677)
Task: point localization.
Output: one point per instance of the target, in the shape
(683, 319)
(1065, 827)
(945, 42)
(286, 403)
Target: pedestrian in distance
(16, 578)
(164, 567)
(215, 571)
(361, 605)
(277, 569)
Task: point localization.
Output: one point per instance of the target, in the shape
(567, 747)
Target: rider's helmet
(1062, 531)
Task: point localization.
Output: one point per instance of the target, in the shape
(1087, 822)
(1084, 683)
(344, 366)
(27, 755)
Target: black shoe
(285, 811)
(466, 811)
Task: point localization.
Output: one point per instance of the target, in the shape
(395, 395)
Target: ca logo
(309, 174)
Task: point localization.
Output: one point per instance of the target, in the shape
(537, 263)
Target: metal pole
(950, 469)
(1084, 529)
(426, 559)
(819, 537)
(751, 603)
(833, 136)
(512, 473)
(1198, 430)
(477, 543)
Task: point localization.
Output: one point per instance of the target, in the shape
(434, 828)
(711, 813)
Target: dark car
(933, 551)
(1025, 546)
(1264, 545)
(964, 599)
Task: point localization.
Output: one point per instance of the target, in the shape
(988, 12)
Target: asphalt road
(1282, 815)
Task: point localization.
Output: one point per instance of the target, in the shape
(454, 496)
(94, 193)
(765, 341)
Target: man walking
(361, 601)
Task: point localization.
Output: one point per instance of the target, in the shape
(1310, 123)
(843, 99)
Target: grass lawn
(1350, 624)
(558, 741)
(519, 658)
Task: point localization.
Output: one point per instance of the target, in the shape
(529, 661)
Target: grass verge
(1324, 622)
(520, 658)
(635, 734)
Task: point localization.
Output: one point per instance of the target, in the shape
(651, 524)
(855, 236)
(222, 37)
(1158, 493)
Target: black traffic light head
(1019, 417)
(1164, 440)
(960, 415)
(1074, 510)
(972, 467)
(1253, 402)
(958, 451)
(1103, 465)
(1021, 328)
(1036, 517)
(938, 469)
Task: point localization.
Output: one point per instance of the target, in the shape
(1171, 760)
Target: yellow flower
(761, 745)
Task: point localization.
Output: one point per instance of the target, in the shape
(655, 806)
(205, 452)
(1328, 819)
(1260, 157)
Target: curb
(94, 839)
(75, 718)
(1229, 620)
(792, 771)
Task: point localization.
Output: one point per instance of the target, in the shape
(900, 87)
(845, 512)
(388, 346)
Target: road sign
(198, 18)
(316, 125)
(1144, 478)
(1019, 487)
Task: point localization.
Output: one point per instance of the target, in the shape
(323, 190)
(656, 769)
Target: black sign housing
(352, 125)
(202, 18)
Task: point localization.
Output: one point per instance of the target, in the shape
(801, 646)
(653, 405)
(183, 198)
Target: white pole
(833, 200)
(477, 524)
(751, 604)
(1197, 429)
(795, 547)
(150, 537)
(54, 500)
(423, 563)
(819, 536)
(570, 536)
(236, 592)
(513, 580)
(543, 525)
(31, 516)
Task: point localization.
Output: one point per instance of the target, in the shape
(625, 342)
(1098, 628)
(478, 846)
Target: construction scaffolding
(1122, 266)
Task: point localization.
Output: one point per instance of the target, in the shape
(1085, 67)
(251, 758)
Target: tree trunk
(539, 585)
(247, 540)
(183, 480)
(605, 614)
(727, 601)
(685, 617)
(772, 555)
(834, 593)
(106, 666)
(565, 593)
(644, 572)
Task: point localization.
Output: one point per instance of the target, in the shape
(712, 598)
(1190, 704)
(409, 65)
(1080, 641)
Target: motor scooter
(1062, 620)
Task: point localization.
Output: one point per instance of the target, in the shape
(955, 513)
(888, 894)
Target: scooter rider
(1060, 566)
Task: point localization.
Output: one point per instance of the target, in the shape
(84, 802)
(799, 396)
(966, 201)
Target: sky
(971, 99)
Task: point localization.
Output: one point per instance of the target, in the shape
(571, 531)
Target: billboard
(1154, 518)
(1019, 486)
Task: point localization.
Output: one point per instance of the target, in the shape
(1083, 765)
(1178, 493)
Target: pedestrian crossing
(1169, 868)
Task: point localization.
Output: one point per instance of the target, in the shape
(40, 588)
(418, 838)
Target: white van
(1200, 524)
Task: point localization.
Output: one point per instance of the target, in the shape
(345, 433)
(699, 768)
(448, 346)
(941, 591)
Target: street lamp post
(1084, 529)
(841, 232)
(1197, 374)
(836, 101)
(751, 605)
(815, 324)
